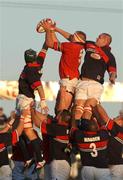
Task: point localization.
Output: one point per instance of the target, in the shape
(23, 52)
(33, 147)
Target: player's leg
(35, 141)
(80, 99)
(24, 107)
(95, 90)
(65, 94)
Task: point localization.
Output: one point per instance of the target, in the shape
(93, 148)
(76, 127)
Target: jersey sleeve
(49, 129)
(58, 46)
(113, 128)
(42, 55)
(53, 129)
(15, 137)
(5, 138)
(111, 66)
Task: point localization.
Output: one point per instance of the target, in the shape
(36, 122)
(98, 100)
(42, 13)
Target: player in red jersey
(69, 62)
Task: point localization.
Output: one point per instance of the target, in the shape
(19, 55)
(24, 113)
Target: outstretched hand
(47, 26)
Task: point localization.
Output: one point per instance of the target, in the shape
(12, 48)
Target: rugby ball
(40, 29)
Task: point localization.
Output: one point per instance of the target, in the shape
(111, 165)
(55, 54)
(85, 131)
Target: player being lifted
(29, 81)
(69, 62)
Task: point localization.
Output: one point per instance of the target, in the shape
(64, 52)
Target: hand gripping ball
(40, 29)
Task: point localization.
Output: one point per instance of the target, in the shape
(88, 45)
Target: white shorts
(69, 84)
(23, 102)
(86, 89)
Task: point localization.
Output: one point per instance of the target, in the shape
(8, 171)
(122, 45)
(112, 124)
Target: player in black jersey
(29, 81)
(92, 141)
(56, 130)
(98, 59)
(115, 146)
(7, 139)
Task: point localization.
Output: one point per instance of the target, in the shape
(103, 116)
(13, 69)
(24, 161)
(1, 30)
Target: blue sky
(18, 20)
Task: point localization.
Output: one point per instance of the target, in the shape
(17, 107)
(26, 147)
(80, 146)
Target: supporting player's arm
(20, 126)
(101, 114)
(42, 99)
(37, 117)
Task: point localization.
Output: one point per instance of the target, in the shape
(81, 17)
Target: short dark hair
(93, 125)
(89, 125)
(65, 115)
(30, 55)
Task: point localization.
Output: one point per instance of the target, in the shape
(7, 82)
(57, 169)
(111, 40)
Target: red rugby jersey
(70, 59)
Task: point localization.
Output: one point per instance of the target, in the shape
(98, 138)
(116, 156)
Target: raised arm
(20, 126)
(37, 117)
(112, 69)
(101, 113)
(12, 137)
(42, 54)
(50, 34)
(44, 107)
(65, 34)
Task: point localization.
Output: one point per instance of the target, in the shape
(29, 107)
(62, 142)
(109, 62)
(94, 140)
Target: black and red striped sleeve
(42, 54)
(5, 138)
(15, 137)
(9, 138)
(112, 66)
(114, 128)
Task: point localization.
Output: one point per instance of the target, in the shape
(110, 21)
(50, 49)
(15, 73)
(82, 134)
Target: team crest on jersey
(95, 56)
(90, 50)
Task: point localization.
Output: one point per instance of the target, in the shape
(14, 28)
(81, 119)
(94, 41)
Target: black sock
(23, 147)
(37, 149)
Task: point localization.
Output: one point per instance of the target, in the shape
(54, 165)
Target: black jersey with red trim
(4, 160)
(92, 147)
(70, 59)
(30, 76)
(97, 61)
(7, 139)
(58, 135)
(115, 147)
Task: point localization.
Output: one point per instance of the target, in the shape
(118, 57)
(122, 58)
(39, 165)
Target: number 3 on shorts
(94, 152)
